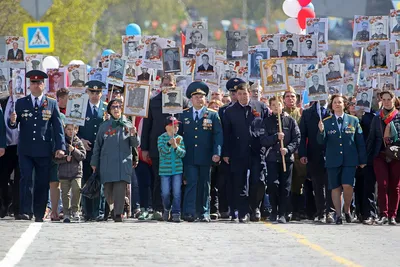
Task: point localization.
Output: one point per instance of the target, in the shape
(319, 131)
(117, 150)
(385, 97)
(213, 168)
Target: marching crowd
(236, 156)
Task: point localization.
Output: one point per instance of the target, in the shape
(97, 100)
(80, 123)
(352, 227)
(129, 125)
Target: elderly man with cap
(39, 120)
(172, 100)
(117, 72)
(242, 151)
(87, 133)
(203, 136)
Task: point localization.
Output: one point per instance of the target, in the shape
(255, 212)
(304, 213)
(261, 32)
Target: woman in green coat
(112, 156)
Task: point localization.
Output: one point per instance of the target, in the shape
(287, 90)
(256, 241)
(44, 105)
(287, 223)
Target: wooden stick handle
(280, 130)
(360, 66)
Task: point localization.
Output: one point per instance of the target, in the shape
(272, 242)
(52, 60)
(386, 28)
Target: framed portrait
(15, 48)
(4, 90)
(255, 55)
(386, 81)
(132, 47)
(131, 70)
(153, 47)
(364, 99)
(205, 59)
(76, 108)
(183, 82)
(187, 65)
(331, 64)
(33, 62)
(272, 42)
(377, 57)
(361, 31)
(4, 74)
(144, 75)
(77, 76)
(98, 74)
(379, 26)
(335, 89)
(56, 80)
(172, 100)
(237, 45)
(199, 25)
(318, 27)
(349, 86)
(196, 38)
(295, 76)
(394, 21)
(308, 46)
(137, 99)
(316, 85)
(116, 70)
(18, 82)
(289, 46)
(104, 62)
(171, 60)
(274, 75)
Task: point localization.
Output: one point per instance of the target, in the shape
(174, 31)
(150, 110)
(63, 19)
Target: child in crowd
(70, 173)
(171, 149)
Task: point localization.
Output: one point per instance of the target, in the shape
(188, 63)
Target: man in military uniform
(379, 35)
(242, 152)
(378, 59)
(332, 74)
(363, 35)
(77, 82)
(87, 133)
(75, 113)
(39, 120)
(117, 72)
(202, 132)
(172, 100)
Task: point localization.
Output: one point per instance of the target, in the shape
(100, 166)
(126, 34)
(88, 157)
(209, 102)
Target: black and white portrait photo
(317, 28)
(130, 71)
(308, 47)
(377, 56)
(205, 59)
(316, 84)
(99, 74)
(144, 74)
(132, 47)
(394, 20)
(18, 85)
(116, 71)
(380, 29)
(76, 108)
(271, 42)
(237, 45)
(332, 68)
(137, 97)
(364, 99)
(289, 47)
(195, 39)
(255, 56)
(33, 62)
(77, 75)
(153, 51)
(348, 88)
(172, 100)
(15, 47)
(171, 60)
(4, 75)
(274, 75)
(361, 31)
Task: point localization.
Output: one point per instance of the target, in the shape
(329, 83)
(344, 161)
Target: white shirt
(199, 111)
(12, 134)
(92, 107)
(34, 100)
(337, 119)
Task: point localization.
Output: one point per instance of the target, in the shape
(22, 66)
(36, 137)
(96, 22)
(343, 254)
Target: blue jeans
(176, 181)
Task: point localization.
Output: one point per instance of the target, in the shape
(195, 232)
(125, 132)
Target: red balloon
(305, 13)
(304, 2)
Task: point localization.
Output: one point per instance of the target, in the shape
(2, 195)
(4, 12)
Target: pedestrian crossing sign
(39, 37)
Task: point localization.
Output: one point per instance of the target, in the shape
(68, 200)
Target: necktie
(340, 122)
(197, 115)
(323, 112)
(36, 103)
(95, 112)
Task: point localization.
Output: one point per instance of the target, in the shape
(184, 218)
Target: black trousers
(8, 164)
(309, 199)
(214, 203)
(225, 188)
(279, 185)
(156, 198)
(364, 192)
(90, 206)
(323, 197)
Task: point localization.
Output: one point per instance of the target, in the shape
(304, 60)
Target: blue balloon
(310, 5)
(107, 52)
(88, 67)
(133, 29)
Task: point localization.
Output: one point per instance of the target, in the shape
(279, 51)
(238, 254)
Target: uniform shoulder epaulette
(49, 97)
(105, 103)
(210, 109)
(327, 118)
(186, 109)
(352, 116)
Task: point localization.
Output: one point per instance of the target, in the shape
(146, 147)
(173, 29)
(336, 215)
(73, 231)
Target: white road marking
(17, 251)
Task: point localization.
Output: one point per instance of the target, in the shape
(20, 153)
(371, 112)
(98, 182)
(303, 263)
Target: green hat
(197, 88)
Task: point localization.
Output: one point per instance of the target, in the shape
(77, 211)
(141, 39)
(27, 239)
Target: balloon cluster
(298, 11)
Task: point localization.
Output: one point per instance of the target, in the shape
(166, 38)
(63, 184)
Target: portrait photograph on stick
(316, 85)
(137, 97)
(172, 100)
(273, 75)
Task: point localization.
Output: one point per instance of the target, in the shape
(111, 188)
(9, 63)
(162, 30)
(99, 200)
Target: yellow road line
(304, 241)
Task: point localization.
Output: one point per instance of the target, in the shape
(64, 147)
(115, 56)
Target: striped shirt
(170, 158)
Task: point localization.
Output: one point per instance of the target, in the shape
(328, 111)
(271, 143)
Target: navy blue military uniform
(2, 130)
(243, 148)
(345, 149)
(38, 124)
(203, 139)
(89, 132)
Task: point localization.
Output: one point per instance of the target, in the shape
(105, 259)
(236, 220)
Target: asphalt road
(222, 243)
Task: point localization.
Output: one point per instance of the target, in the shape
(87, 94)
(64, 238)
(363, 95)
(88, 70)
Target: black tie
(323, 112)
(36, 103)
(197, 115)
(95, 112)
(340, 120)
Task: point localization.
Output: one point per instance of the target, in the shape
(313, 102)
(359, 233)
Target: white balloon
(291, 8)
(76, 62)
(50, 62)
(292, 25)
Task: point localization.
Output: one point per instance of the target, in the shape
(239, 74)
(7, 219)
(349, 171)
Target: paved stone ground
(222, 243)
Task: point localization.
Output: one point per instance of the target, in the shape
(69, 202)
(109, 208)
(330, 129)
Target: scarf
(390, 130)
(118, 122)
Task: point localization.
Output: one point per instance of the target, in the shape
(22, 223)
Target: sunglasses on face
(115, 107)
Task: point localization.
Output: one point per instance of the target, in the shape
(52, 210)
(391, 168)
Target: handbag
(392, 151)
(92, 187)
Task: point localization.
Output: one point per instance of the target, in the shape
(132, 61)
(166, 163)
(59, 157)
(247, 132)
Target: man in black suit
(145, 76)
(196, 37)
(170, 63)
(289, 52)
(153, 127)
(9, 162)
(242, 152)
(77, 82)
(272, 52)
(275, 78)
(316, 88)
(13, 52)
(312, 154)
(363, 102)
(255, 70)
(396, 29)
(320, 35)
(206, 65)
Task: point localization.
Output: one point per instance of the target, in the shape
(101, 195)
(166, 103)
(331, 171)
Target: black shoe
(349, 218)
(25, 217)
(224, 215)
(214, 216)
(392, 221)
(38, 220)
(329, 218)
(17, 217)
(3, 211)
(255, 215)
(205, 219)
(118, 218)
(339, 220)
(282, 219)
(295, 217)
(369, 221)
(190, 218)
(67, 219)
(383, 220)
(244, 219)
(272, 217)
